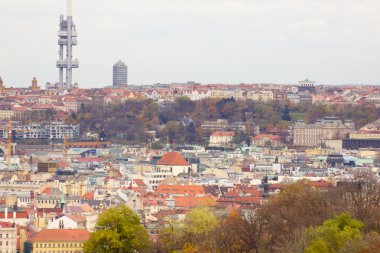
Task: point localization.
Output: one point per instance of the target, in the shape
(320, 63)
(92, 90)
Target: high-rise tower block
(67, 38)
(120, 74)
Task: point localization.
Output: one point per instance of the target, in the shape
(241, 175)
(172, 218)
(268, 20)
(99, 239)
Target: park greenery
(180, 121)
(301, 218)
(118, 230)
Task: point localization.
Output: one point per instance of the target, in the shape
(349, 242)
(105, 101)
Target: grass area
(297, 116)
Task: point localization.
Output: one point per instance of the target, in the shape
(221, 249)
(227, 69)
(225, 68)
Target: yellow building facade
(57, 241)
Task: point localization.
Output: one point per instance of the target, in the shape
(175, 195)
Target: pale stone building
(329, 128)
(221, 138)
(8, 237)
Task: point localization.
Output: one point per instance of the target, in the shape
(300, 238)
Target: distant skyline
(207, 41)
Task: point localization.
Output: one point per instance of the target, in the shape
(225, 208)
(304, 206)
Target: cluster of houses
(51, 195)
(50, 199)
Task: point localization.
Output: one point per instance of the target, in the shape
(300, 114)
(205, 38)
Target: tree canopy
(301, 218)
(334, 234)
(118, 230)
(132, 118)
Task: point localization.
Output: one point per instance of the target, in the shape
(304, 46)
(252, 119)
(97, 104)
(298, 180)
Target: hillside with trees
(180, 121)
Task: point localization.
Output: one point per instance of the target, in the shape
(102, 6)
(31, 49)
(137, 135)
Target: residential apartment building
(262, 95)
(57, 241)
(221, 138)
(329, 128)
(6, 112)
(219, 94)
(299, 97)
(33, 131)
(267, 140)
(70, 104)
(52, 131)
(8, 237)
(60, 130)
(366, 137)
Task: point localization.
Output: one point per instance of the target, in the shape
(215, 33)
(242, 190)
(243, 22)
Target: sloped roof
(267, 136)
(190, 190)
(190, 202)
(77, 218)
(223, 133)
(61, 235)
(88, 195)
(139, 182)
(173, 159)
(19, 214)
(86, 208)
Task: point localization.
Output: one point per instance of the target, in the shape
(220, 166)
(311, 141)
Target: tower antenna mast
(67, 39)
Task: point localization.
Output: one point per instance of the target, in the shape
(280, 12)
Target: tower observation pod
(67, 38)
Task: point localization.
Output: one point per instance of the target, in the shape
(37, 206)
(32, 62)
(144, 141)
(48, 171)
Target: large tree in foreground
(340, 234)
(118, 230)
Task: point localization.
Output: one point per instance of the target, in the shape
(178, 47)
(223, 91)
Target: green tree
(334, 235)
(285, 114)
(156, 145)
(118, 230)
(239, 138)
(194, 234)
(171, 237)
(198, 227)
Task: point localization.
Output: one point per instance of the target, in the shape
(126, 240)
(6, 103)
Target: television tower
(67, 38)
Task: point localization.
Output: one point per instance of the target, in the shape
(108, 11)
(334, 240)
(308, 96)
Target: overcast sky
(208, 41)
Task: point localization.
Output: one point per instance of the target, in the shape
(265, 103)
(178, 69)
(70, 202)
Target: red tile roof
(19, 215)
(88, 195)
(223, 133)
(189, 190)
(320, 184)
(173, 159)
(63, 164)
(190, 202)
(267, 136)
(241, 200)
(139, 182)
(77, 218)
(43, 107)
(61, 235)
(42, 211)
(244, 191)
(153, 201)
(47, 191)
(4, 224)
